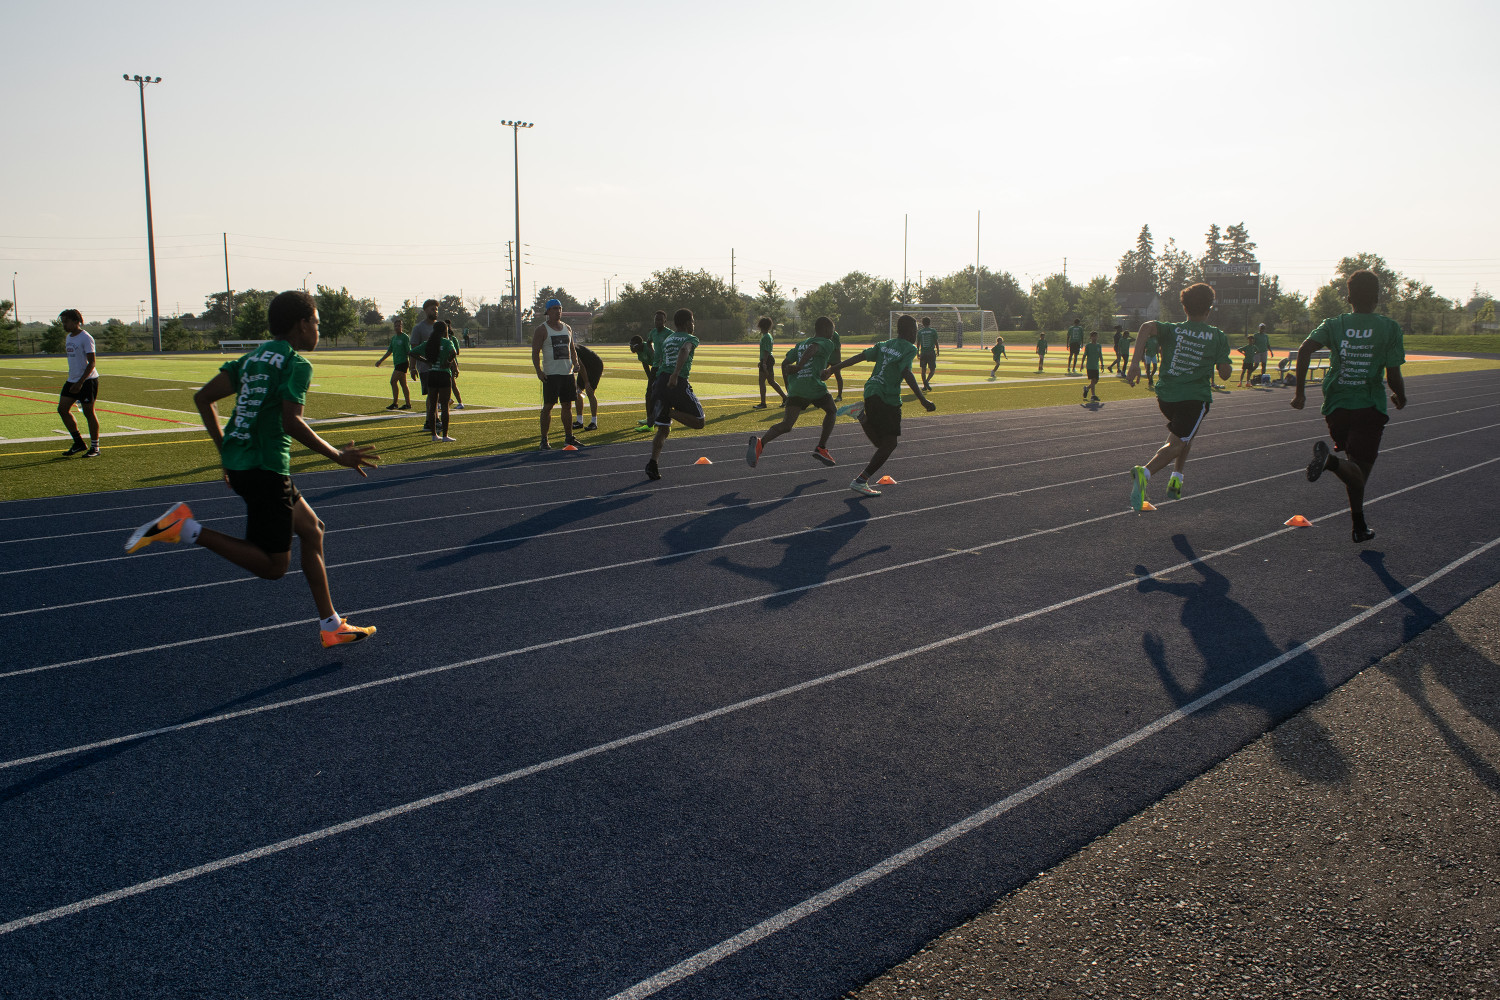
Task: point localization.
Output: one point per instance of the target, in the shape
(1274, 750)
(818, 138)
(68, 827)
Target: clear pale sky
(362, 142)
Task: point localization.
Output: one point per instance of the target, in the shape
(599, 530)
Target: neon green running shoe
(1174, 488)
(1138, 488)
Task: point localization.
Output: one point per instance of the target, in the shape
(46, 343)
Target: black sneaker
(544, 446)
(578, 425)
(570, 439)
(651, 471)
(758, 406)
(78, 446)
(1363, 534)
(394, 406)
(93, 451)
(593, 426)
(406, 407)
(1319, 462)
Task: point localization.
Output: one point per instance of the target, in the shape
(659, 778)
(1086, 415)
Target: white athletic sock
(332, 622)
(1176, 475)
(190, 531)
(1147, 471)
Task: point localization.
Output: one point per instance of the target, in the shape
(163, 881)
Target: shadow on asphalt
(809, 558)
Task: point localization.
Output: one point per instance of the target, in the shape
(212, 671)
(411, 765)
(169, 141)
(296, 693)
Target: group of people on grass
(270, 384)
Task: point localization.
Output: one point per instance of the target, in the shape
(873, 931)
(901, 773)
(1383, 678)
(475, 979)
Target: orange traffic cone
(1298, 521)
(703, 461)
(570, 447)
(1147, 505)
(885, 481)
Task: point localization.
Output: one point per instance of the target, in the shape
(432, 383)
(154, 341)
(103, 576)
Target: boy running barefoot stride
(804, 389)
(881, 416)
(673, 395)
(256, 451)
(1363, 346)
(1191, 352)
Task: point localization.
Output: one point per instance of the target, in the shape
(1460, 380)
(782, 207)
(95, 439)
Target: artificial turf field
(737, 733)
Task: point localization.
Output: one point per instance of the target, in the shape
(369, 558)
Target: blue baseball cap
(552, 303)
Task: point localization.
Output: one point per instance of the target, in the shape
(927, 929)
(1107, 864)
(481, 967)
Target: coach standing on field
(419, 334)
(556, 362)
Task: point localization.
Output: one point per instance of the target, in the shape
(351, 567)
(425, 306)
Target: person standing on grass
(1153, 348)
(673, 395)
(804, 389)
(419, 334)
(880, 416)
(556, 362)
(1075, 345)
(927, 352)
(1127, 340)
(1262, 349)
(398, 352)
(1191, 352)
(1247, 363)
(441, 353)
(1093, 358)
(1118, 364)
(590, 370)
(82, 386)
(997, 352)
(1041, 349)
(765, 369)
(255, 449)
(1363, 346)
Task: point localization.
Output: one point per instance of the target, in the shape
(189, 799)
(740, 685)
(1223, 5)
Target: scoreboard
(1233, 284)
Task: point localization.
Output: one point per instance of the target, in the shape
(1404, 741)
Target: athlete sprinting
(804, 389)
(673, 395)
(1363, 346)
(255, 448)
(1191, 352)
(881, 414)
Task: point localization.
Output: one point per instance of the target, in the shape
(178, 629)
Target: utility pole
(977, 219)
(228, 289)
(140, 82)
(905, 232)
(732, 285)
(14, 305)
(515, 132)
(1065, 269)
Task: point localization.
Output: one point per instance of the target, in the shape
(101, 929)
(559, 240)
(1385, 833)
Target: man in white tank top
(556, 361)
(82, 386)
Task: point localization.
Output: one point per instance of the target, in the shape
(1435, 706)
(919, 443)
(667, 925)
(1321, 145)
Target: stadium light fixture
(515, 132)
(304, 280)
(141, 82)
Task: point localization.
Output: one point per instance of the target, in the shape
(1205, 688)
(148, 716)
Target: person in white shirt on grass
(82, 386)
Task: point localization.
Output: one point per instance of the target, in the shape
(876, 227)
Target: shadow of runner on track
(504, 539)
(70, 765)
(808, 558)
(1448, 677)
(400, 475)
(1232, 642)
(713, 526)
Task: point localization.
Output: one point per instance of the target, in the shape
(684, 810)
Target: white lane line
(711, 609)
(786, 917)
(772, 925)
(472, 546)
(995, 420)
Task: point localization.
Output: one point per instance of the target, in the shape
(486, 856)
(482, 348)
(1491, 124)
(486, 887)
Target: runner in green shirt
(1248, 362)
(652, 354)
(1153, 348)
(1093, 357)
(1041, 349)
(1075, 344)
(1262, 349)
(805, 388)
(927, 349)
(1191, 352)
(673, 395)
(1363, 347)
(880, 412)
(397, 352)
(997, 352)
(765, 368)
(441, 353)
(270, 384)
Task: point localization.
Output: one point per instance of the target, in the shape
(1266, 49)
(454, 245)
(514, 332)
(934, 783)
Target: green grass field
(154, 437)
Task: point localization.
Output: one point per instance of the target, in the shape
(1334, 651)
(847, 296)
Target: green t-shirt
(1075, 335)
(254, 437)
(1153, 347)
(400, 348)
(1262, 342)
(1126, 342)
(1247, 349)
(658, 336)
(1189, 353)
(447, 351)
(767, 345)
(927, 340)
(892, 362)
(1093, 354)
(673, 345)
(1362, 346)
(815, 355)
(1041, 344)
(998, 349)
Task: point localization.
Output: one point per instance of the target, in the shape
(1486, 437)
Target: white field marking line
(772, 925)
(695, 612)
(786, 917)
(1010, 419)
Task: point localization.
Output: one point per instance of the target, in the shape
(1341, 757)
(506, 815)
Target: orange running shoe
(167, 528)
(822, 455)
(345, 634)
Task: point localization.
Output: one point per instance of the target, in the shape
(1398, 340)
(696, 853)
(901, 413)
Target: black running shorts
(269, 500)
(403, 367)
(881, 418)
(808, 404)
(1184, 417)
(594, 370)
(559, 388)
(666, 398)
(87, 393)
(438, 381)
(1357, 433)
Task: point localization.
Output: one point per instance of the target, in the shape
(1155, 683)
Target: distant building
(1134, 308)
(581, 322)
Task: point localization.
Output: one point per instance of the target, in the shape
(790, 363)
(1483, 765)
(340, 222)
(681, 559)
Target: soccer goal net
(957, 325)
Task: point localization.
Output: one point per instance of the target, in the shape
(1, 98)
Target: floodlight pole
(140, 82)
(905, 232)
(515, 133)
